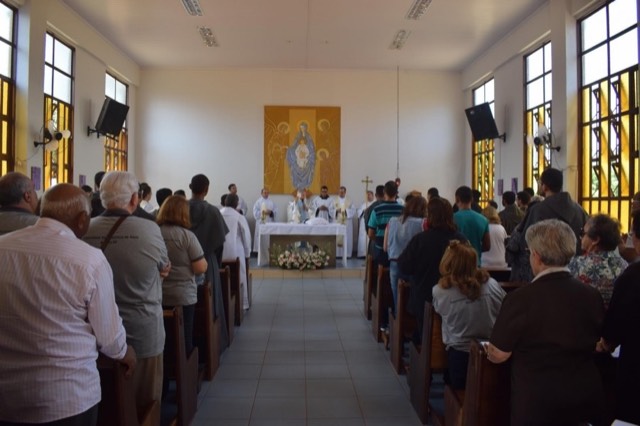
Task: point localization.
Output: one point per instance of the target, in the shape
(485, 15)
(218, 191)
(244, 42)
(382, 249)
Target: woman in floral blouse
(601, 263)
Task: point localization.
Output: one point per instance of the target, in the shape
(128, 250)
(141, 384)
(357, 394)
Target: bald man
(58, 310)
(18, 202)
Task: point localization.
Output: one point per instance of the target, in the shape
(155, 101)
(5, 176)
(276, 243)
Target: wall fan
(51, 136)
(544, 137)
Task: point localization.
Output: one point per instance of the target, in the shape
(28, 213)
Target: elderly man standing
(57, 311)
(18, 201)
(138, 256)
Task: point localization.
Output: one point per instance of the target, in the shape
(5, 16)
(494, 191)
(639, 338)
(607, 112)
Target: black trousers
(88, 418)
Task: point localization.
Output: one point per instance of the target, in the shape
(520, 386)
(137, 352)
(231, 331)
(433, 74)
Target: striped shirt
(57, 309)
(380, 216)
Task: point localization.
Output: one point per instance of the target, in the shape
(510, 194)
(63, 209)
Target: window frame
(483, 158)
(8, 100)
(116, 151)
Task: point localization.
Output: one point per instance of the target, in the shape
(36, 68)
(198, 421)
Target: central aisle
(305, 356)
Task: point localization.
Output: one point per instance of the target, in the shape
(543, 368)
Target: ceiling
(304, 34)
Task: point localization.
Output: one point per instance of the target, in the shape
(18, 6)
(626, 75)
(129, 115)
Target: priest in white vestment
(344, 215)
(323, 206)
(298, 211)
(264, 211)
(362, 229)
(237, 242)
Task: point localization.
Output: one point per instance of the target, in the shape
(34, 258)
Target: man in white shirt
(264, 211)
(323, 206)
(242, 206)
(344, 214)
(237, 242)
(57, 310)
(362, 229)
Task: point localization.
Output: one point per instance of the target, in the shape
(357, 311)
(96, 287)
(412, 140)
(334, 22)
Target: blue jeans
(394, 276)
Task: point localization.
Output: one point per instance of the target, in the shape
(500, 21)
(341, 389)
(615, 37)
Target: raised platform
(353, 269)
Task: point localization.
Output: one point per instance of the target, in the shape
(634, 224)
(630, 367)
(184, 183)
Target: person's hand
(323, 208)
(164, 272)
(129, 360)
(602, 346)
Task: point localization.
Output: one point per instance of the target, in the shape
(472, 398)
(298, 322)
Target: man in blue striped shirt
(379, 218)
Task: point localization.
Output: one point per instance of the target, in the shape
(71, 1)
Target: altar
(306, 232)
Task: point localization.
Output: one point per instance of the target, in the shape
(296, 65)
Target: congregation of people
(83, 272)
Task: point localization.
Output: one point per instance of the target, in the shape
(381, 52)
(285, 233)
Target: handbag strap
(112, 231)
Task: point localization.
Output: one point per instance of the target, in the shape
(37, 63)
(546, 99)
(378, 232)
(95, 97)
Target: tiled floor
(305, 356)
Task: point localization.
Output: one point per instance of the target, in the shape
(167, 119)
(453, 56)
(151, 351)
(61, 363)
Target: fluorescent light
(418, 9)
(192, 7)
(207, 36)
(399, 40)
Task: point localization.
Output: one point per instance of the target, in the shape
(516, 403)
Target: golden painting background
(281, 124)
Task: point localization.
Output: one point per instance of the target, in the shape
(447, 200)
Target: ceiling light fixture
(192, 7)
(418, 9)
(207, 36)
(400, 39)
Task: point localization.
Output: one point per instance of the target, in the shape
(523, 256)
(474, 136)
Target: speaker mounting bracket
(503, 137)
(90, 131)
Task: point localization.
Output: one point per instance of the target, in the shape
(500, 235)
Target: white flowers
(302, 259)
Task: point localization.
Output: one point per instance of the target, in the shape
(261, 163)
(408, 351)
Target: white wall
(211, 121)
(94, 56)
(555, 21)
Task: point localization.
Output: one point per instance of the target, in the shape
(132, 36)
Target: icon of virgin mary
(301, 156)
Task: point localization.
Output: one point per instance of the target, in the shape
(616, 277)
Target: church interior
(560, 78)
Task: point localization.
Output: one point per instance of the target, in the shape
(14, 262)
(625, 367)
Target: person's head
(551, 181)
(493, 204)
(529, 191)
(551, 243)
(476, 195)
(508, 198)
(432, 193)
(145, 191)
(87, 190)
(390, 190)
(414, 207)
(162, 194)
(398, 181)
(459, 268)
(119, 190)
(180, 192)
(16, 190)
(223, 198)
(342, 192)
(491, 213)
(600, 233)
(233, 189)
(324, 191)
(635, 203)
(174, 211)
(440, 214)
(265, 193)
(199, 185)
(231, 201)
(523, 198)
(379, 192)
(369, 196)
(464, 196)
(68, 204)
(97, 180)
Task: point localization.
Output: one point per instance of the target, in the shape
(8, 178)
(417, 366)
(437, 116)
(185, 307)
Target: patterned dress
(599, 270)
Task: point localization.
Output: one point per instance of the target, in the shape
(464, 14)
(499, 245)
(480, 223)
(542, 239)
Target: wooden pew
(118, 404)
(228, 300)
(402, 325)
(486, 398)
(181, 367)
(206, 331)
(508, 286)
(370, 279)
(249, 282)
(381, 301)
(430, 357)
(499, 274)
(236, 287)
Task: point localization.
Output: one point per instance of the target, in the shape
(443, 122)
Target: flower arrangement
(300, 258)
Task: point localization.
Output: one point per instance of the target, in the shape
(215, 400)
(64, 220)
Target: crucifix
(366, 182)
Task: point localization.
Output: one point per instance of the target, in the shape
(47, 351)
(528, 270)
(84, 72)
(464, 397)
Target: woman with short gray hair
(549, 329)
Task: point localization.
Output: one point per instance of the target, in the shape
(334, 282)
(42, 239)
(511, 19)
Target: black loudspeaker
(481, 121)
(111, 118)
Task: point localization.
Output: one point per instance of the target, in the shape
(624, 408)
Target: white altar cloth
(268, 229)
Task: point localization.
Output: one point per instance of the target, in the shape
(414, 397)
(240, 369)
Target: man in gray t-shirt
(138, 256)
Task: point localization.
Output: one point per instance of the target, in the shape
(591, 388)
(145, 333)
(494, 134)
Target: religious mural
(301, 149)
